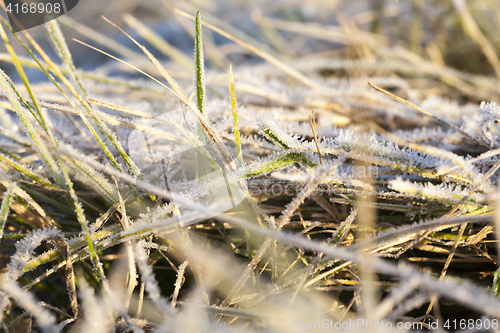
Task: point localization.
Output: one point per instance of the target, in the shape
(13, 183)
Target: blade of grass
(264, 55)
(79, 210)
(382, 266)
(19, 192)
(428, 150)
(207, 127)
(38, 114)
(112, 120)
(200, 66)
(209, 130)
(37, 140)
(232, 95)
(462, 229)
(25, 171)
(158, 42)
(101, 39)
(58, 73)
(62, 47)
(4, 209)
(201, 168)
(214, 54)
(427, 113)
(495, 290)
(85, 229)
(119, 108)
(312, 122)
(22, 74)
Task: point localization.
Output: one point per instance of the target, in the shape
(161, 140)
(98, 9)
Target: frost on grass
(447, 194)
(147, 170)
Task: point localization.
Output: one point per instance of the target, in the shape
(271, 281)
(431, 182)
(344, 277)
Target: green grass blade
(207, 127)
(37, 140)
(200, 66)
(4, 209)
(85, 229)
(38, 115)
(273, 162)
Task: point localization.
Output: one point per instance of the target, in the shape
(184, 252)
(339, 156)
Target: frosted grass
(105, 207)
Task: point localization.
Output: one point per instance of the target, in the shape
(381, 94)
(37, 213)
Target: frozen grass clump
(272, 189)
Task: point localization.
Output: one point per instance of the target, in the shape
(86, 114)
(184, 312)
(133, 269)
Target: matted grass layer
(319, 164)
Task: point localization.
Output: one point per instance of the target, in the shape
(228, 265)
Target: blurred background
(459, 34)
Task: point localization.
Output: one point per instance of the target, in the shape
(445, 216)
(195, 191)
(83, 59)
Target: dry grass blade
(312, 121)
(288, 70)
(474, 31)
(211, 133)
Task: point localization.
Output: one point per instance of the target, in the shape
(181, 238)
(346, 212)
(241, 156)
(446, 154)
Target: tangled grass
(355, 181)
